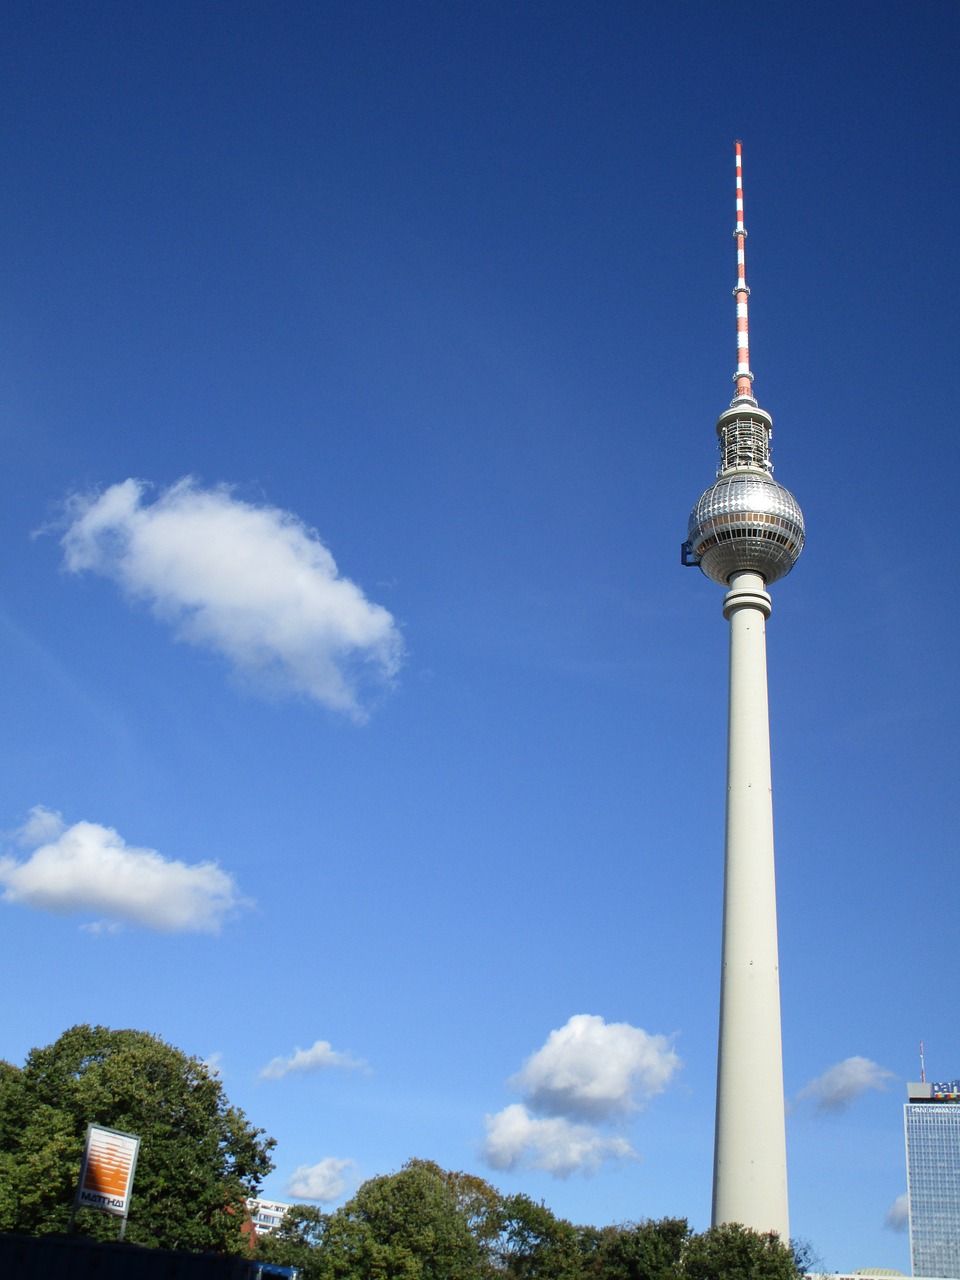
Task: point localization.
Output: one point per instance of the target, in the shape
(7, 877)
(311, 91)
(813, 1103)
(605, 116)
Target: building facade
(266, 1215)
(931, 1119)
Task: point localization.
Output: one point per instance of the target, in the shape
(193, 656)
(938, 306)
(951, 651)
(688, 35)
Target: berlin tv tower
(745, 532)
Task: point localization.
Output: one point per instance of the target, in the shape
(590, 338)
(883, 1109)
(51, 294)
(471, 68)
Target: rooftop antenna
(923, 1078)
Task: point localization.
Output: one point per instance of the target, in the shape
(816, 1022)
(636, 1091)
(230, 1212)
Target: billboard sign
(106, 1176)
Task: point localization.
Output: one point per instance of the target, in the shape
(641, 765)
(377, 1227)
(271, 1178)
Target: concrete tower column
(750, 1160)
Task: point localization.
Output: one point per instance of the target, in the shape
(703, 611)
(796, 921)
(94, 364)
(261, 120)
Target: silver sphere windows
(746, 522)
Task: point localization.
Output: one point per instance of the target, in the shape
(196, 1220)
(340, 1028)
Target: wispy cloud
(898, 1215)
(43, 826)
(252, 583)
(589, 1073)
(328, 1180)
(90, 868)
(319, 1057)
(515, 1139)
(841, 1085)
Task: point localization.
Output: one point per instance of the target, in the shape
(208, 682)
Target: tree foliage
(409, 1225)
(536, 1245)
(644, 1250)
(298, 1242)
(733, 1252)
(199, 1156)
(425, 1223)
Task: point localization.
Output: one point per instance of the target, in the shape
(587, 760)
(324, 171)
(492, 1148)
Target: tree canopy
(732, 1252)
(425, 1223)
(199, 1157)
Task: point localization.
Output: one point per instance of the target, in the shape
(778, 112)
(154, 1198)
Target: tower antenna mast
(743, 377)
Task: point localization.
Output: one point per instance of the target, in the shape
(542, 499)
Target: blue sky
(359, 367)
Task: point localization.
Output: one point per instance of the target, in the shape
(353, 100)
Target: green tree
(479, 1203)
(536, 1245)
(643, 1250)
(404, 1226)
(298, 1242)
(199, 1157)
(733, 1252)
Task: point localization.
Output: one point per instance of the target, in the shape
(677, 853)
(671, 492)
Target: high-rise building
(746, 532)
(931, 1122)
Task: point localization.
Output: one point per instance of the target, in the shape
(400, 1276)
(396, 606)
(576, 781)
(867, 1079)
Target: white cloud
(589, 1073)
(317, 1058)
(898, 1215)
(328, 1180)
(212, 1063)
(90, 868)
(841, 1085)
(593, 1070)
(251, 583)
(517, 1139)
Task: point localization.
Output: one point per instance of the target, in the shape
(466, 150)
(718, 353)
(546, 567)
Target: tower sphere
(746, 521)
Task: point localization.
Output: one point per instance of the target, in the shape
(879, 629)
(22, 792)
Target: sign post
(106, 1175)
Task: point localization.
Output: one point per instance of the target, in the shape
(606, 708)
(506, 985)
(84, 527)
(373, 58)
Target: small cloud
(898, 1215)
(212, 1063)
(320, 1057)
(841, 1085)
(42, 827)
(90, 868)
(97, 927)
(326, 1181)
(252, 583)
(594, 1070)
(515, 1139)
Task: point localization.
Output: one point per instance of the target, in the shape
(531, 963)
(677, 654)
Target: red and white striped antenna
(743, 377)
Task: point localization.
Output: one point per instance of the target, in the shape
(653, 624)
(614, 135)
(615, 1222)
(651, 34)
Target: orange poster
(106, 1178)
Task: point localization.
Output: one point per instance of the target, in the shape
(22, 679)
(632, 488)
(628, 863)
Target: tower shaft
(750, 1162)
